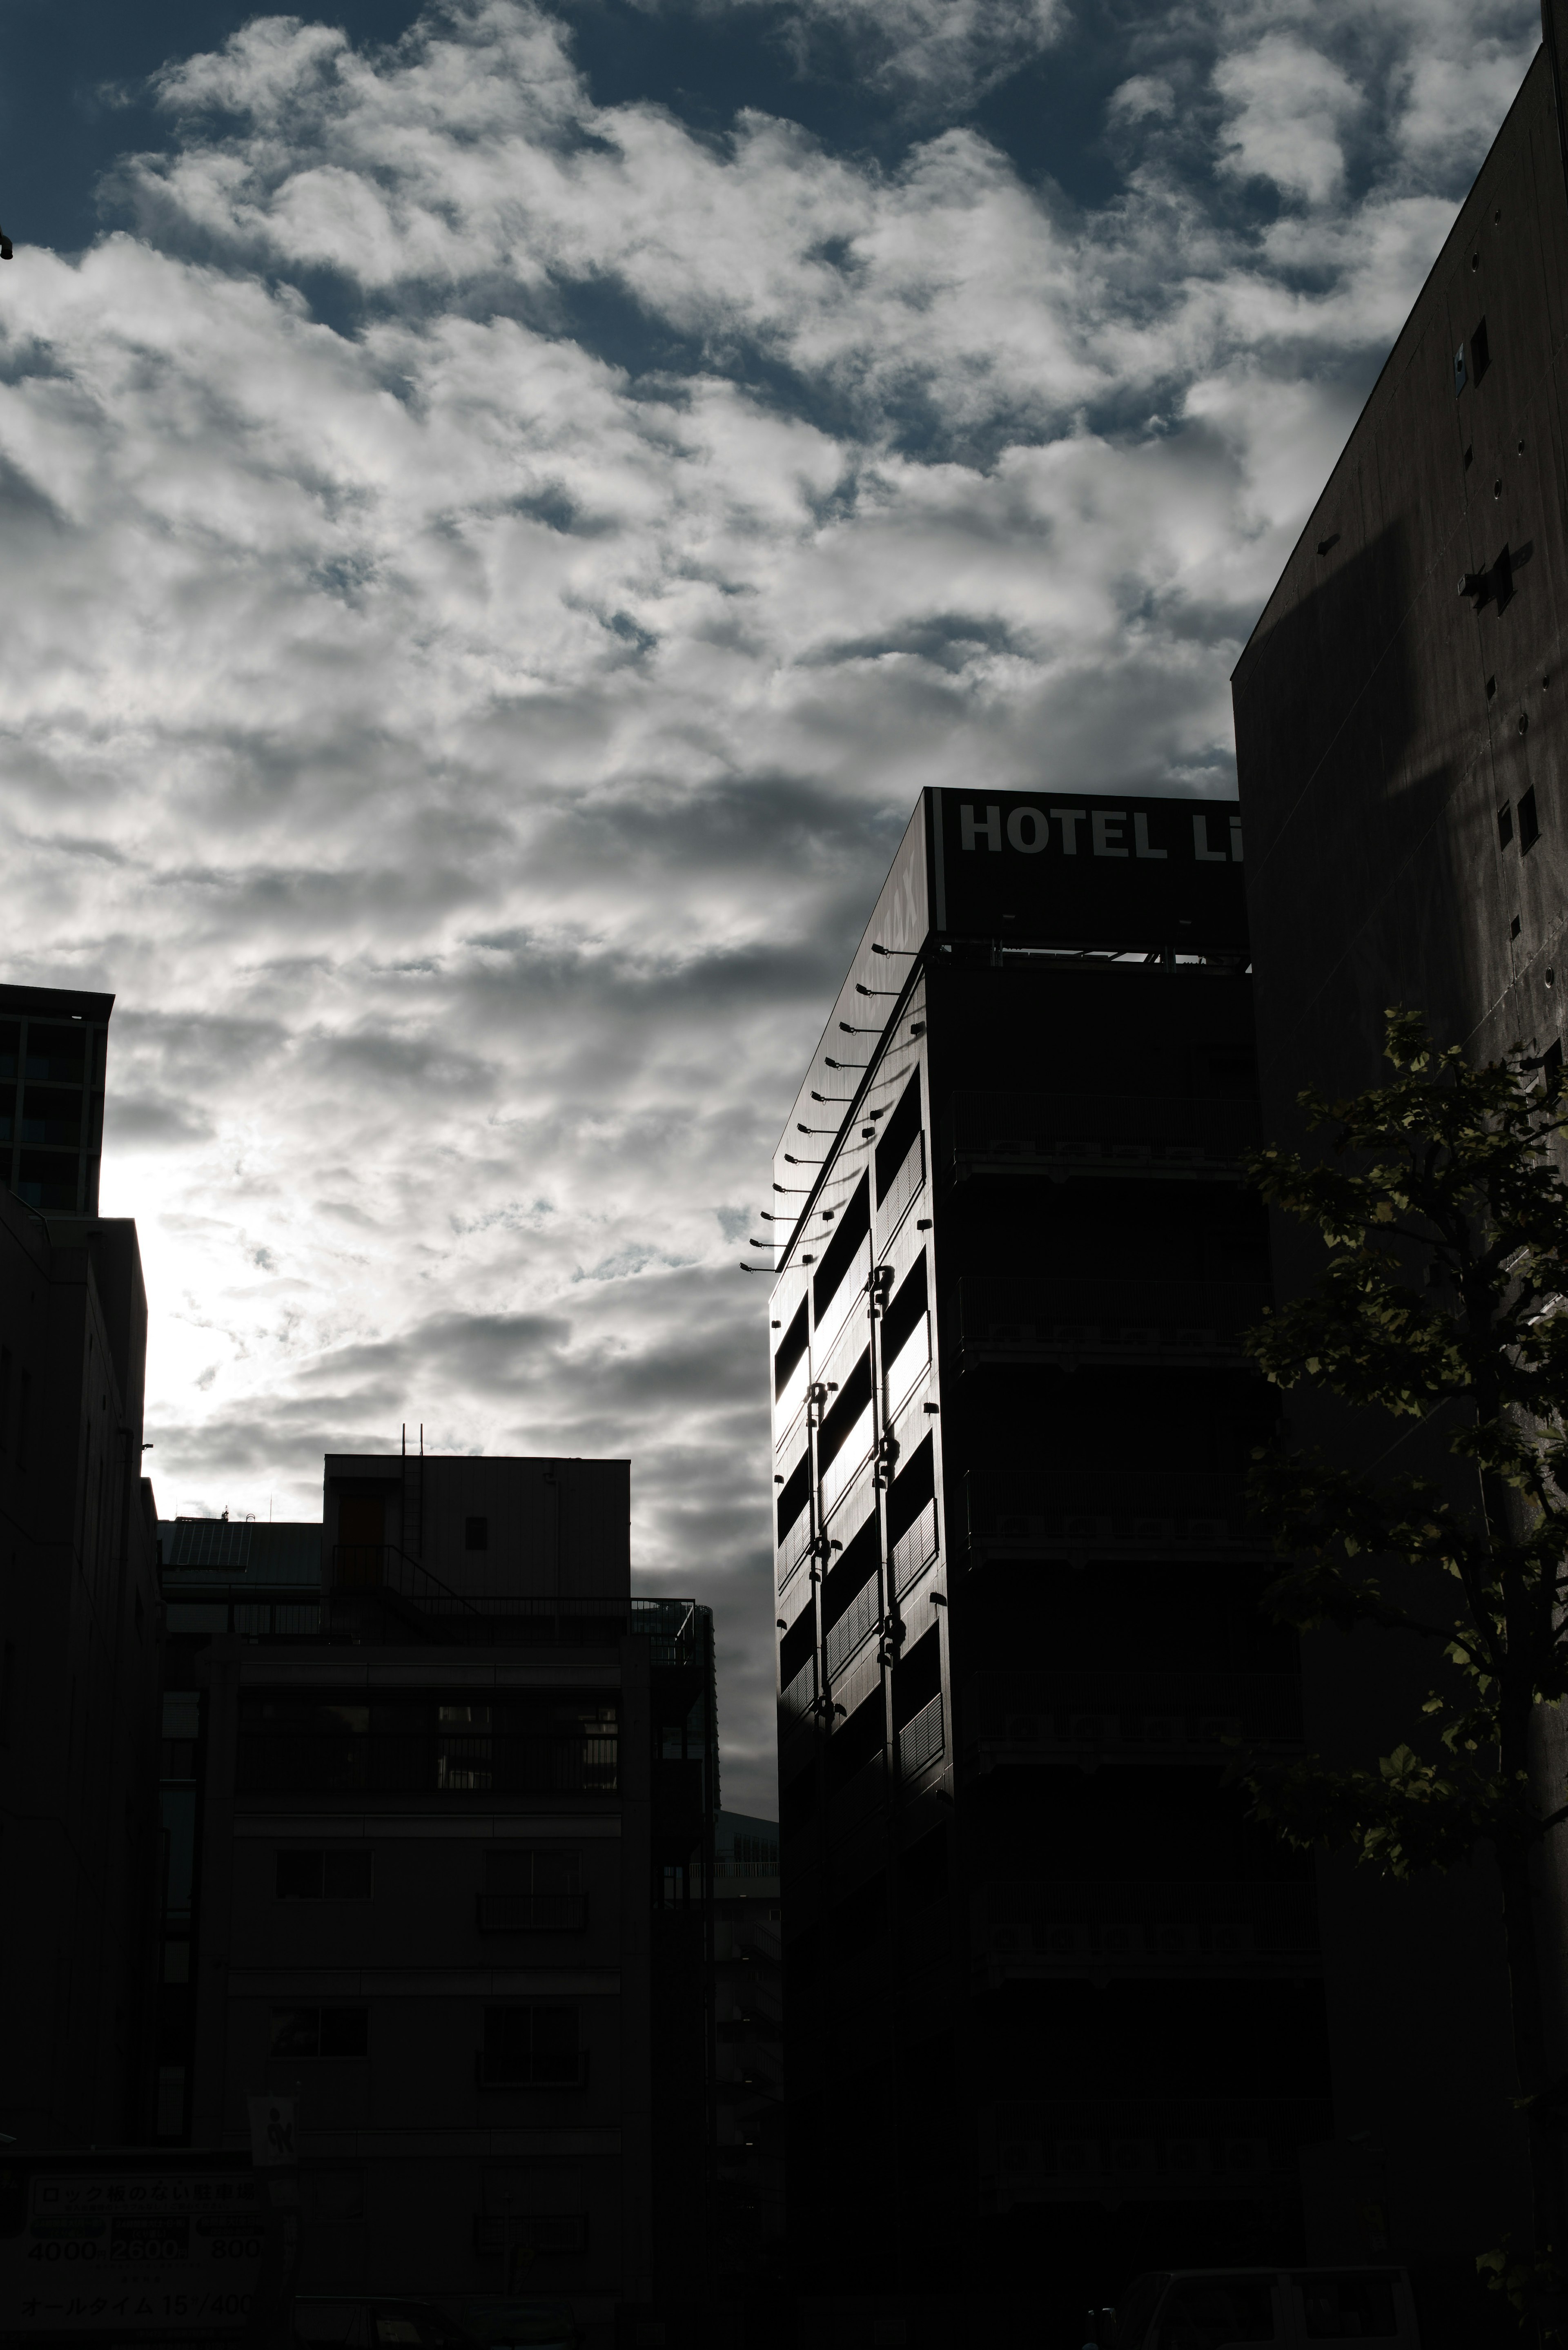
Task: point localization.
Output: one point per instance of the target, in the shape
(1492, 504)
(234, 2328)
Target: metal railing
(551, 1621)
(285, 1761)
(920, 1740)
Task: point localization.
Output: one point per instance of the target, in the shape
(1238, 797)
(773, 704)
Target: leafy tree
(1445, 1301)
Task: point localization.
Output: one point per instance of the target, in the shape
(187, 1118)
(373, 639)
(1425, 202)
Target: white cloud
(470, 754)
(1290, 105)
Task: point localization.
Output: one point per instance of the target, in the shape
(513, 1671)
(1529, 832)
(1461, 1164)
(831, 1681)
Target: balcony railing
(285, 1761)
(920, 1740)
(496, 2069)
(532, 1913)
(444, 1613)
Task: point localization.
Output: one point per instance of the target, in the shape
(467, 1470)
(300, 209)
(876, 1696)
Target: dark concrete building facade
(80, 1632)
(450, 1885)
(1053, 2013)
(748, 2008)
(52, 1044)
(79, 1667)
(1401, 730)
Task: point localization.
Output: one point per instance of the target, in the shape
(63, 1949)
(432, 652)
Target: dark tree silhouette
(1444, 1300)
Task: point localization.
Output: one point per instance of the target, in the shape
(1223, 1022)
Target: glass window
(1349, 2309)
(531, 2046)
(299, 1876)
(1210, 2313)
(476, 1533)
(306, 2031)
(544, 1872)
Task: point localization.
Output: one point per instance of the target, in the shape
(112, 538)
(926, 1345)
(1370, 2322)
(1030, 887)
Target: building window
(302, 2032)
(537, 1891)
(1529, 822)
(1504, 825)
(530, 2232)
(5, 1396)
(324, 1876)
(476, 1533)
(532, 2048)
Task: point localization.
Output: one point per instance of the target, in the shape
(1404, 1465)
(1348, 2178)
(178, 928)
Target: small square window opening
(1529, 822)
(1481, 352)
(1504, 825)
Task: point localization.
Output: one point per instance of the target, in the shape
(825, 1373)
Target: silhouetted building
(1053, 2013)
(451, 1879)
(78, 1681)
(748, 1972)
(53, 1041)
(1400, 748)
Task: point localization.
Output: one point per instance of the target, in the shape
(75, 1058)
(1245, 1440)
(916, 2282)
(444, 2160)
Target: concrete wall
(78, 1682)
(1384, 723)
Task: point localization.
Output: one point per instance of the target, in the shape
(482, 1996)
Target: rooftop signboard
(1079, 869)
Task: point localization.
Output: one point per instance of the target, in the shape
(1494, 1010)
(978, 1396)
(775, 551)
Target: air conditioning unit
(1019, 2156)
(1163, 1729)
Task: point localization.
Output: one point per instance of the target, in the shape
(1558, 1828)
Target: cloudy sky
(503, 508)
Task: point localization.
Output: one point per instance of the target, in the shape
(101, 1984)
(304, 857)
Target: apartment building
(451, 1877)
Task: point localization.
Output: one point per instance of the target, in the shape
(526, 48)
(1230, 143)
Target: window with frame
(532, 2048)
(537, 1889)
(323, 1876)
(310, 2031)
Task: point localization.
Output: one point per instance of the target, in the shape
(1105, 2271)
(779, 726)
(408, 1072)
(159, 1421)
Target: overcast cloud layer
(485, 575)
